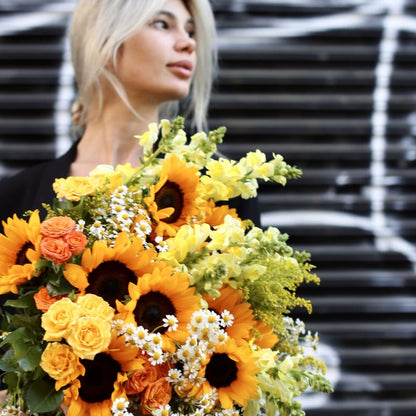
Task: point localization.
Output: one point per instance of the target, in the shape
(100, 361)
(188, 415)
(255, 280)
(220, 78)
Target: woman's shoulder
(18, 192)
(32, 186)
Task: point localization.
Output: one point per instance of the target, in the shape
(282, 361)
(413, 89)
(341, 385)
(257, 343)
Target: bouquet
(143, 292)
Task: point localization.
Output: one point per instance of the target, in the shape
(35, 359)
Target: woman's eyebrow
(172, 16)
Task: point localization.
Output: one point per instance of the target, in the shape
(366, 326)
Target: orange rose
(43, 300)
(57, 226)
(140, 379)
(157, 394)
(77, 241)
(55, 249)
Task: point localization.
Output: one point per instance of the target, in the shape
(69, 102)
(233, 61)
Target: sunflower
(231, 370)
(107, 271)
(19, 252)
(232, 301)
(172, 200)
(214, 215)
(264, 335)
(93, 393)
(157, 294)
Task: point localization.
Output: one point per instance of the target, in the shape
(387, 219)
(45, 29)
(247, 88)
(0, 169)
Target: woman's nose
(185, 43)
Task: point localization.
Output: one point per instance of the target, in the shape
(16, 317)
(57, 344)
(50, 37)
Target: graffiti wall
(329, 84)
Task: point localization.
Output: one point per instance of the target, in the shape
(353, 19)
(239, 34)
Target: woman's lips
(181, 68)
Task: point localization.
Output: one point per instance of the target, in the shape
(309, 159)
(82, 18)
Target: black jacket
(31, 187)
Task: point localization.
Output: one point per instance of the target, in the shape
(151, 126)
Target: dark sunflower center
(151, 309)
(21, 257)
(170, 196)
(97, 384)
(221, 370)
(110, 280)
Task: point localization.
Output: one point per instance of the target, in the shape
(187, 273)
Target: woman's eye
(162, 24)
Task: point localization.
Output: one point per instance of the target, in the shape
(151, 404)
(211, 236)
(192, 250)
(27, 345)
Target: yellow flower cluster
(226, 179)
(85, 324)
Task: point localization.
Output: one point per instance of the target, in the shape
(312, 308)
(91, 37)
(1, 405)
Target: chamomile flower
(80, 225)
(162, 245)
(157, 356)
(191, 369)
(117, 326)
(10, 410)
(227, 318)
(142, 333)
(143, 228)
(207, 401)
(162, 411)
(198, 320)
(185, 353)
(129, 332)
(120, 404)
(174, 375)
(170, 322)
(97, 230)
(155, 340)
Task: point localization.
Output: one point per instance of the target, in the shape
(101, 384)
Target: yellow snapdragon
(150, 137)
(187, 240)
(230, 232)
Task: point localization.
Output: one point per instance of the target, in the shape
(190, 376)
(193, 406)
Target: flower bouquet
(143, 292)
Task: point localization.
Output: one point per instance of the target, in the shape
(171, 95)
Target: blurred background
(330, 85)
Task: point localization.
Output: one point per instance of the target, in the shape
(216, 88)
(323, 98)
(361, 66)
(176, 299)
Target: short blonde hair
(100, 27)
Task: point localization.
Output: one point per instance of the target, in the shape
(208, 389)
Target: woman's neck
(109, 139)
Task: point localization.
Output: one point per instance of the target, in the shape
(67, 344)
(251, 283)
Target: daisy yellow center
(97, 384)
(170, 196)
(221, 370)
(151, 309)
(110, 280)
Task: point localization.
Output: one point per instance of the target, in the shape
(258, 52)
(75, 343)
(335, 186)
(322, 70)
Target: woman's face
(157, 63)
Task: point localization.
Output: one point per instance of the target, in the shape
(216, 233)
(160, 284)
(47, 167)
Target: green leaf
(23, 302)
(12, 380)
(42, 397)
(17, 335)
(31, 359)
(60, 287)
(26, 355)
(5, 361)
(32, 323)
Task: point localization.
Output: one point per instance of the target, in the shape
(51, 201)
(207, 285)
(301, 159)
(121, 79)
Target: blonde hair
(100, 27)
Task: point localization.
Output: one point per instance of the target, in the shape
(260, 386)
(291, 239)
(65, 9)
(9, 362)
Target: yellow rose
(60, 363)
(93, 305)
(89, 336)
(59, 318)
(74, 187)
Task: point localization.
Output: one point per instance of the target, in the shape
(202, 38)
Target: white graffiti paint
(64, 98)
(277, 29)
